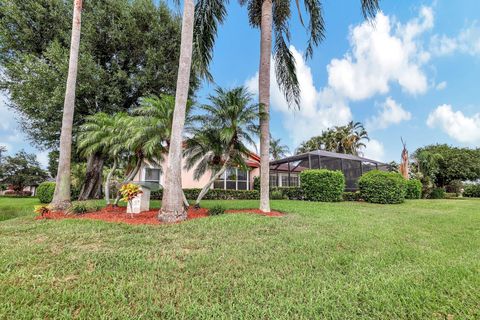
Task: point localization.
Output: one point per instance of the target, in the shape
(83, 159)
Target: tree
(129, 49)
(347, 139)
(268, 16)
(277, 150)
(203, 19)
(227, 125)
(444, 163)
(106, 135)
(22, 170)
(61, 196)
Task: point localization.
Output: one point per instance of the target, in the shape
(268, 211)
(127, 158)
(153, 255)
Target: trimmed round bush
(45, 192)
(414, 189)
(322, 185)
(382, 187)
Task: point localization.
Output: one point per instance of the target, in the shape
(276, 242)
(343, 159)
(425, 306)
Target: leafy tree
(277, 150)
(444, 163)
(221, 136)
(128, 49)
(273, 16)
(341, 139)
(22, 170)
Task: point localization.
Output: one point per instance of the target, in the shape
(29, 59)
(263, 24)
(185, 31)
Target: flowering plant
(129, 191)
(41, 209)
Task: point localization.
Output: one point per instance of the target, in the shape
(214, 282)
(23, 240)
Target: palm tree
(277, 150)
(222, 134)
(351, 138)
(203, 19)
(102, 133)
(348, 139)
(274, 15)
(61, 197)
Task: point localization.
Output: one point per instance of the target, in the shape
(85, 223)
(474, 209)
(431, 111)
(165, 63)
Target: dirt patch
(119, 214)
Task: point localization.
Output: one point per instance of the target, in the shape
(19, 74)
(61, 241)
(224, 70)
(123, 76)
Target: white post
(140, 203)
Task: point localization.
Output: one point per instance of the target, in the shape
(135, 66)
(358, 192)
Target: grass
(418, 260)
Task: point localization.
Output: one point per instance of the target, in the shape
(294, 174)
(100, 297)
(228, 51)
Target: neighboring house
(283, 173)
(232, 179)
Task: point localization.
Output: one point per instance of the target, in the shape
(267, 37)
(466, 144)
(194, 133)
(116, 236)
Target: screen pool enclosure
(285, 172)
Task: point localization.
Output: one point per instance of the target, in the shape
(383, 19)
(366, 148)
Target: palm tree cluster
(220, 136)
(348, 139)
(127, 140)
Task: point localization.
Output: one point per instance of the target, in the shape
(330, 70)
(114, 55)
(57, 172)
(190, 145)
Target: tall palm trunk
(172, 202)
(264, 99)
(61, 197)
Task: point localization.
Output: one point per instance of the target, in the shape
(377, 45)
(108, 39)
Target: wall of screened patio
(285, 172)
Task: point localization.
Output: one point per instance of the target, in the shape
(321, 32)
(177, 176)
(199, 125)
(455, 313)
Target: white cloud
(441, 86)
(391, 113)
(319, 109)
(374, 150)
(460, 127)
(382, 52)
(466, 42)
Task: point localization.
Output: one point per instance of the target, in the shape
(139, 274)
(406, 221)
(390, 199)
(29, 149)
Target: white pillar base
(140, 203)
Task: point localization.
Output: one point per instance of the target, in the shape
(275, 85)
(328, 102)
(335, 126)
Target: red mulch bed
(119, 214)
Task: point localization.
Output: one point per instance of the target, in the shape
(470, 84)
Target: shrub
(382, 187)
(256, 183)
(291, 193)
(216, 210)
(17, 194)
(414, 189)
(276, 195)
(45, 192)
(81, 207)
(472, 191)
(352, 196)
(322, 185)
(437, 193)
(41, 209)
(215, 194)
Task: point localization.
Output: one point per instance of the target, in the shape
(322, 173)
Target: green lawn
(419, 260)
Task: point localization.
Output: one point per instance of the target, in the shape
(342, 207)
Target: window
(233, 179)
(152, 175)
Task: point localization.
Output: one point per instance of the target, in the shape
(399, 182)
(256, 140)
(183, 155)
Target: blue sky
(414, 73)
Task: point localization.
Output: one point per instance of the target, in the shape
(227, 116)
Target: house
(232, 179)
(283, 173)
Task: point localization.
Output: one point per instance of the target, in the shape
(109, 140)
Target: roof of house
(323, 153)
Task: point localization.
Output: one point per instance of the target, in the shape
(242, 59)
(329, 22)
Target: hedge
(214, 194)
(322, 185)
(472, 191)
(290, 193)
(45, 192)
(352, 196)
(382, 187)
(16, 194)
(414, 189)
